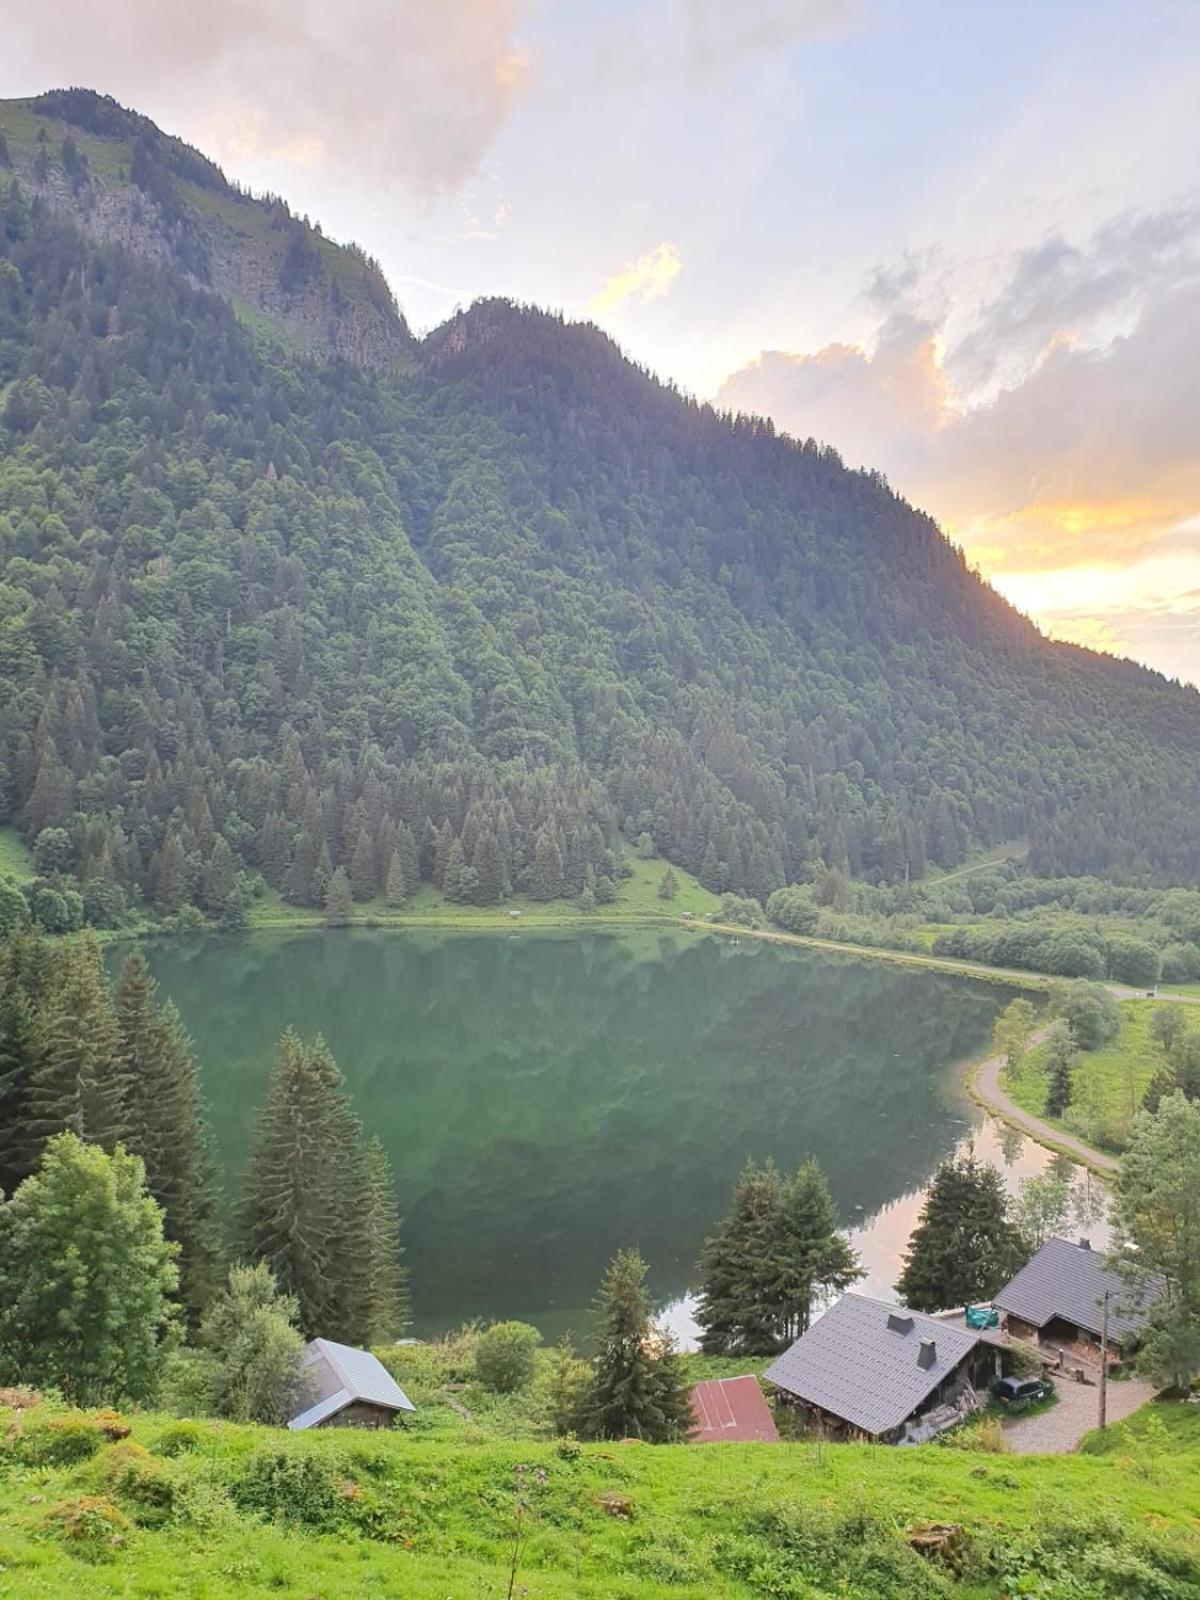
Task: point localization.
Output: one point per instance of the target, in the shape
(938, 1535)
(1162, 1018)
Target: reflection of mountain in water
(547, 1099)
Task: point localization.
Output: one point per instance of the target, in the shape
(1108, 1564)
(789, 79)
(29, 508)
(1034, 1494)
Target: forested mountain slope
(471, 616)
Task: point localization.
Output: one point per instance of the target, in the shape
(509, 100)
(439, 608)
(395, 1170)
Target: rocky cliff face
(124, 182)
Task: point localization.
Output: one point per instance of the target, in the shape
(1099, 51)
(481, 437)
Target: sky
(956, 240)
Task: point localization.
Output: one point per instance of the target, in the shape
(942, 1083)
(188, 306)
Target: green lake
(546, 1099)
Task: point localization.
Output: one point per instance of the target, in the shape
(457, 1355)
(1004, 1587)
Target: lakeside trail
(983, 1084)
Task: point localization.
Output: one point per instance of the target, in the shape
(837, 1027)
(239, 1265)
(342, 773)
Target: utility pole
(1104, 1361)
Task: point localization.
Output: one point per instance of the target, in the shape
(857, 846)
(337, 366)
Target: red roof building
(731, 1409)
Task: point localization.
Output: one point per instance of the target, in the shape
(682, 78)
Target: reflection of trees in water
(545, 1100)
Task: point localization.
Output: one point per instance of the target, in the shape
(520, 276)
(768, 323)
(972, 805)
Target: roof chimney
(1085, 1244)
(927, 1354)
(898, 1323)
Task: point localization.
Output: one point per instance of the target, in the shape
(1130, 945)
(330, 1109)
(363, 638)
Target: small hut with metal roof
(348, 1388)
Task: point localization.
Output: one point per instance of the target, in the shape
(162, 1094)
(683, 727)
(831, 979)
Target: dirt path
(1059, 1430)
(984, 1085)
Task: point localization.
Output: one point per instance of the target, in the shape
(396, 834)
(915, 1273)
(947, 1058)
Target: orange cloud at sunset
(1073, 483)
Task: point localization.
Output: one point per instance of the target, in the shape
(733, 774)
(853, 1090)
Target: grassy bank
(637, 901)
(215, 1510)
(1107, 1084)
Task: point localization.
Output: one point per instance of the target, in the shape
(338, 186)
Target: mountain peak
(124, 181)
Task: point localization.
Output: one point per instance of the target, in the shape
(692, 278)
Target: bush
(255, 1354)
(61, 1441)
(178, 1439)
(141, 1482)
(89, 1525)
(794, 909)
(1090, 1012)
(286, 1486)
(506, 1356)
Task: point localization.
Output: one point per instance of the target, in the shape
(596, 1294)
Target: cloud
(1057, 437)
(715, 32)
(400, 91)
(647, 278)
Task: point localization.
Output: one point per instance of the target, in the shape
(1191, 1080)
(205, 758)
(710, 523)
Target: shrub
(141, 1482)
(61, 1441)
(506, 1356)
(178, 1439)
(1090, 1012)
(89, 1525)
(287, 1486)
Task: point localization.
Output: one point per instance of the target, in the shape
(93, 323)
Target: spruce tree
(362, 867)
(339, 901)
(22, 961)
(489, 869)
(965, 1245)
(668, 886)
(816, 1260)
(738, 1266)
(304, 1190)
(80, 1080)
(165, 1125)
(397, 889)
(775, 1255)
(386, 1309)
(1061, 1056)
(638, 1388)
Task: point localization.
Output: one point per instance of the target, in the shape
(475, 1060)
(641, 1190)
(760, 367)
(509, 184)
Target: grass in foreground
(1108, 1084)
(215, 1511)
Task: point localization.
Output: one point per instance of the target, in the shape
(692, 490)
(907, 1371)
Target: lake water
(547, 1099)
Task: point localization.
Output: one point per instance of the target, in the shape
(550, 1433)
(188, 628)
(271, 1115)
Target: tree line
(263, 618)
(103, 1135)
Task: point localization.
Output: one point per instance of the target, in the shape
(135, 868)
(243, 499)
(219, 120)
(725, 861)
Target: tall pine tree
(965, 1245)
(638, 1388)
(164, 1124)
(81, 1078)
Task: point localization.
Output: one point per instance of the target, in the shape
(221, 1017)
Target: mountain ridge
(116, 175)
(494, 608)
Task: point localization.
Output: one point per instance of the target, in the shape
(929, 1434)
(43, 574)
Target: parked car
(1023, 1391)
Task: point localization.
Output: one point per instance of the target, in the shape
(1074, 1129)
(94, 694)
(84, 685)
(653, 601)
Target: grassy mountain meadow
(292, 602)
(461, 1509)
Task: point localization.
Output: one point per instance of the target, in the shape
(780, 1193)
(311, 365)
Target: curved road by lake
(984, 1084)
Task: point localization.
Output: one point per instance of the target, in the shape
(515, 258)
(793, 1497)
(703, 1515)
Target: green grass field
(1108, 1084)
(213, 1511)
(637, 901)
(16, 861)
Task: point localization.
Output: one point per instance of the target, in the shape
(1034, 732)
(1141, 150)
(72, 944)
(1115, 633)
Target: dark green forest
(478, 617)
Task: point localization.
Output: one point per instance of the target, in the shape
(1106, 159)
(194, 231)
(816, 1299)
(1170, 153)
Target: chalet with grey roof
(869, 1370)
(348, 1388)
(1058, 1298)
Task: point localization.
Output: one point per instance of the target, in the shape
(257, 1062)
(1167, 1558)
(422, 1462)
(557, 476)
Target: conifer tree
(1061, 1056)
(302, 1201)
(164, 1124)
(772, 1258)
(339, 901)
(736, 1266)
(396, 891)
(668, 886)
(489, 869)
(965, 1245)
(386, 1312)
(816, 1260)
(22, 962)
(638, 1388)
(80, 1080)
(362, 867)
